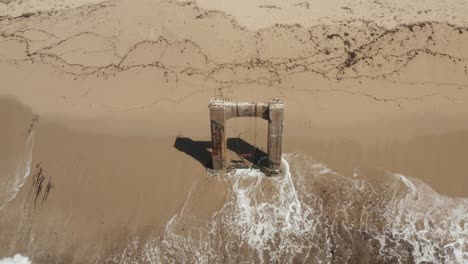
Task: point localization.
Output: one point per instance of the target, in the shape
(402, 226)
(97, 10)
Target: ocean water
(16, 178)
(12, 185)
(311, 214)
(308, 214)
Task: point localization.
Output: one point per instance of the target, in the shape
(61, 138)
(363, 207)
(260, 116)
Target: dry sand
(114, 83)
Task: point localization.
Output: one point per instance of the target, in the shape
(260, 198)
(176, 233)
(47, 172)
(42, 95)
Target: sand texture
(104, 153)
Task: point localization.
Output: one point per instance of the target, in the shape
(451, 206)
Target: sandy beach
(105, 131)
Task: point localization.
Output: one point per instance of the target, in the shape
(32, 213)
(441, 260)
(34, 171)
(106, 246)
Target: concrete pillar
(218, 135)
(275, 133)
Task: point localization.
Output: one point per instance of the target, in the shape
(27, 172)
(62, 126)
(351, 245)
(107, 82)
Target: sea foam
(311, 214)
(16, 259)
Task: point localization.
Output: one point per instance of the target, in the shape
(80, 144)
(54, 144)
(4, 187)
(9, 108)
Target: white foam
(16, 259)
(407, 182)
(305, 215)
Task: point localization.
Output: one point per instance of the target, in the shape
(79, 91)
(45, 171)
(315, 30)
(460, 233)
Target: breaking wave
(314, 215)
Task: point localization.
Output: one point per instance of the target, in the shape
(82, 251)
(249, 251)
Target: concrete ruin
(221, 111)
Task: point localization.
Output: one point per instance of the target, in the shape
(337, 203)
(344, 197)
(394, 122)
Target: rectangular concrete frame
(221, 110)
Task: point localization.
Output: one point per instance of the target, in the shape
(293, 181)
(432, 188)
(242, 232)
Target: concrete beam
(245, 109)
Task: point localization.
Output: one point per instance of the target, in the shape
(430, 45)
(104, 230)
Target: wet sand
(104, 90)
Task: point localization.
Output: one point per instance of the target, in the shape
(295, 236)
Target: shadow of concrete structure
(247, 151)
(196, 149)
(200, 151)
